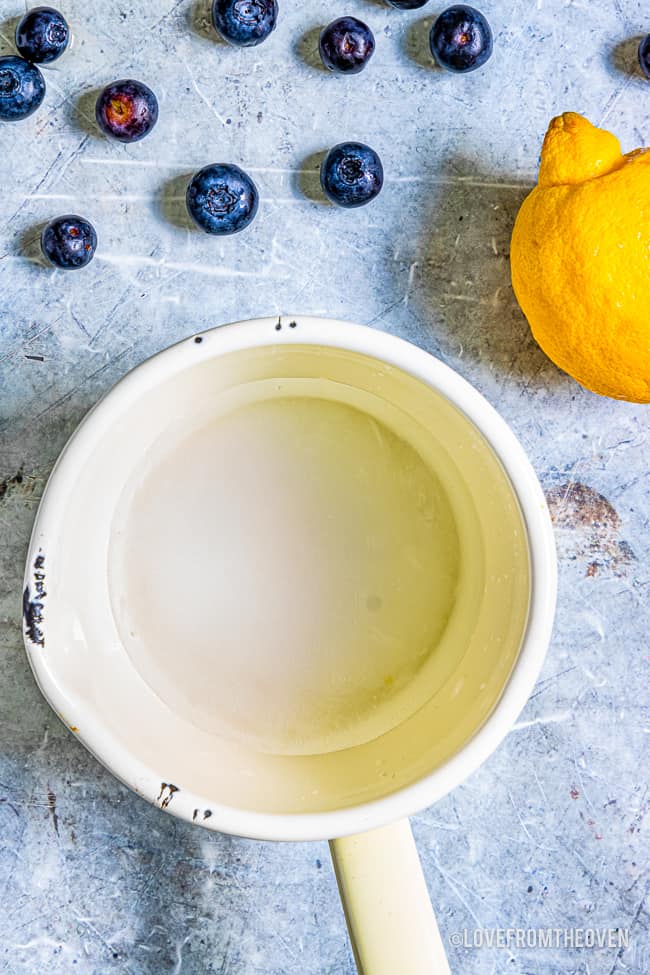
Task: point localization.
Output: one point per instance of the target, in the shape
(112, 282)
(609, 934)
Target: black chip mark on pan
(167, 793)
(206, 814)
(33, 603)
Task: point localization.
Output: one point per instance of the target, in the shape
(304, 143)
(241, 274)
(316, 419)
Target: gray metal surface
(549, 832)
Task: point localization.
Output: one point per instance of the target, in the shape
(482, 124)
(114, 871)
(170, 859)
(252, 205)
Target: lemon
(580, 258)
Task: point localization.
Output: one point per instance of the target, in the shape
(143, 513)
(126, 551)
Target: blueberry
(644, 55)
(222, 199)
(42, 35)
(127, 110)
(461, 39)
(351, 174)
(407, 4)
(69, 242)
(22, 88)
(346, 45)
(244, 23)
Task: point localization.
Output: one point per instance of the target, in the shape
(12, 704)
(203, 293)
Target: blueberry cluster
(221, 198)
(42, 36)
(460, 40)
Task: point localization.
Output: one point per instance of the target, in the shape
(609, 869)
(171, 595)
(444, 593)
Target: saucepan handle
(390, 918)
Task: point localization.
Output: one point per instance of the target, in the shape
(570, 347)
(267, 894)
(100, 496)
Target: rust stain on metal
(167, 793)
(588, 528)
(575, 505)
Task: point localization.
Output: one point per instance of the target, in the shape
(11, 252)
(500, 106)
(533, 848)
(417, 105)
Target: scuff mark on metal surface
(51, 806)
(588, 528)
(167, 793)
(14, 482)
(8, 482)
(4, 800)
(33, 603)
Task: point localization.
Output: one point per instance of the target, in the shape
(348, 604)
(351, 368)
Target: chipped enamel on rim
(152, 783)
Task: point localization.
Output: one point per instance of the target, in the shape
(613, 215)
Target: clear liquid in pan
(280, 574)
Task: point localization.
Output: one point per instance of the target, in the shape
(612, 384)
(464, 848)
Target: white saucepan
(294, 579)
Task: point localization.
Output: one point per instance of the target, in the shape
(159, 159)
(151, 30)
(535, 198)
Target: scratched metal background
(549, 832)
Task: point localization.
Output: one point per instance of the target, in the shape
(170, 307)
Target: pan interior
(283, 569)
